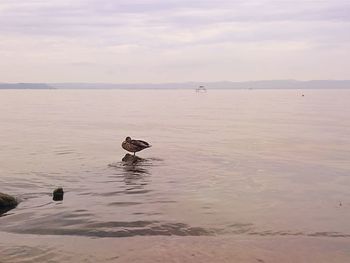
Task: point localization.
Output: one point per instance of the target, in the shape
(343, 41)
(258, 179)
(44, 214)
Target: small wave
(31, 254)
(123, 229)
(290, 233)
(64, 152)
(81, 223)
(124, 203)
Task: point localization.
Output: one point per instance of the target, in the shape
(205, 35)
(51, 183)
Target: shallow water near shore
(237, 168)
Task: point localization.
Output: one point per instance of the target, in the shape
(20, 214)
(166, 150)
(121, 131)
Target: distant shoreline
(263, 84)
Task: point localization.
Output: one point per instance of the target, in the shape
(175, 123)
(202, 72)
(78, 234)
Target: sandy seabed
(34, 248)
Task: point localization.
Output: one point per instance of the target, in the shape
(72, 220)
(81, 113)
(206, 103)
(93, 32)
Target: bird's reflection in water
(136, 173)
(135, 170)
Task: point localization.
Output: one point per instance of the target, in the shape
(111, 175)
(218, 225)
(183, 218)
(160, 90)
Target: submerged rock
(132, 159)
(7, 202)
(58, 194)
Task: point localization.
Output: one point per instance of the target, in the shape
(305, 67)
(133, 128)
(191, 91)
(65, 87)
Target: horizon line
(169, 82)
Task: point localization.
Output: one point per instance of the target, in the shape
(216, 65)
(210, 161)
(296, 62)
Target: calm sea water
(240, 163)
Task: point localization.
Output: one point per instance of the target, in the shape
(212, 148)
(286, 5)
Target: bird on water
(134, 145)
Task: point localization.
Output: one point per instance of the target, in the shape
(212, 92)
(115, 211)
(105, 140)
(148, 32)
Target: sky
(138, 41)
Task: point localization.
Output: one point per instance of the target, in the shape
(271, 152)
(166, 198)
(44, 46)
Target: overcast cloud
(173, 41)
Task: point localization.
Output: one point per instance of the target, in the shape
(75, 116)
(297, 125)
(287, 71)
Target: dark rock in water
(132, 159)
(58, 194)
(7, 202)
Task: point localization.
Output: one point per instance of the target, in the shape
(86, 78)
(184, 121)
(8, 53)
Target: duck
(134, 145)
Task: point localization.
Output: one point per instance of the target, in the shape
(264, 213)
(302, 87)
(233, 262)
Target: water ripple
(124, 203)
(109, 229)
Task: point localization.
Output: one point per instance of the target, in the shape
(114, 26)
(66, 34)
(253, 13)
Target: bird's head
(128, 139)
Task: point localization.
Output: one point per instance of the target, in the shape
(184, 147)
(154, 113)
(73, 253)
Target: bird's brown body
(134, 145)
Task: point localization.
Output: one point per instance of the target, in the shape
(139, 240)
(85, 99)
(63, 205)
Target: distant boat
(201, 89)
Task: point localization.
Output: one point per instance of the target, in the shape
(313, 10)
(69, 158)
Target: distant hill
(25, 86)
(261, 84)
